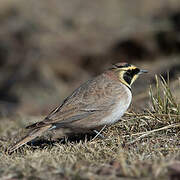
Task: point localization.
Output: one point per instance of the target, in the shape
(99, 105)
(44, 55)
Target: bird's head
(127, 73)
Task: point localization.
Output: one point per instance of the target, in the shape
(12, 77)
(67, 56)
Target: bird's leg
(98, 133)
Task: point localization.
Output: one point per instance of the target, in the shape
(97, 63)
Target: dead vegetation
(45, 46)
(142, 145)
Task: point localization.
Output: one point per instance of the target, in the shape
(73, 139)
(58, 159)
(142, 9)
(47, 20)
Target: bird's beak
(142, 71)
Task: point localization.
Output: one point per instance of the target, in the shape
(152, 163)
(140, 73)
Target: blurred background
(48, 48)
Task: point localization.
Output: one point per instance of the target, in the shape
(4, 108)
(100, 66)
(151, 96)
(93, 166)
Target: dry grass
(142, 145)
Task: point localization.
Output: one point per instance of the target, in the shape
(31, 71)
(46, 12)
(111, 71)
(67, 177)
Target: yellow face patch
(121, 78)
(122, 72)
(127, 68)
(127, 73)
(134, 78)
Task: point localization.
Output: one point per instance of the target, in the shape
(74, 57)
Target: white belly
(119, 110)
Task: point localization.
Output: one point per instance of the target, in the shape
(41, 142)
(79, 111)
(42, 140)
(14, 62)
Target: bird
(99, 102)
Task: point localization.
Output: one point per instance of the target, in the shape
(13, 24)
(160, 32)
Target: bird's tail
(31, 135)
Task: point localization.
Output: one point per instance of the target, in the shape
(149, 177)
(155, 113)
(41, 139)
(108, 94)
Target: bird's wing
(94, 95)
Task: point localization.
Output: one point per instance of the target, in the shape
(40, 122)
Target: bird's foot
(98, 133)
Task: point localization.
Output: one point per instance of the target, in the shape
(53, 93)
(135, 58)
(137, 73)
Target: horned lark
(98, 102)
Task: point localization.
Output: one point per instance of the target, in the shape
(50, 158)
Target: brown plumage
(98, 102)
